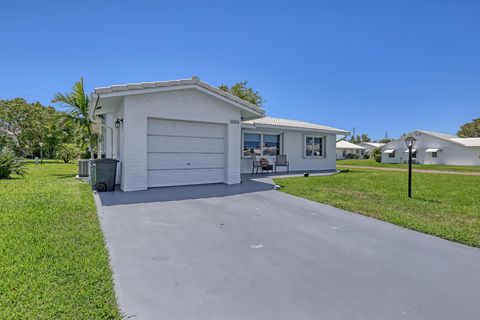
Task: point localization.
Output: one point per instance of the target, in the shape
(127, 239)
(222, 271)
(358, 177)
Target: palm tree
(76, 102)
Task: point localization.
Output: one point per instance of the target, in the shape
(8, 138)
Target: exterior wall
(187, 105)
(347, 151)
(293, 146)
(450, 153)
(368, 148)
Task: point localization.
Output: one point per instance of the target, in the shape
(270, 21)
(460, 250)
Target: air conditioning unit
(83, 168)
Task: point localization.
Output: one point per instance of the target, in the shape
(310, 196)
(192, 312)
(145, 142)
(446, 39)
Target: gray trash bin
(103, 173)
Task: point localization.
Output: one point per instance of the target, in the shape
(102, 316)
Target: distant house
(434, 148)
(344, 148)
(370, 146)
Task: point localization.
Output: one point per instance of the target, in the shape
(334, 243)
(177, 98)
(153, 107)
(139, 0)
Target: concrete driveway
(249, 252)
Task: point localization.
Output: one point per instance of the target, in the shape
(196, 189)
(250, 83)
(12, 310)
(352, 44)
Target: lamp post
(410, 142)
(41, 152)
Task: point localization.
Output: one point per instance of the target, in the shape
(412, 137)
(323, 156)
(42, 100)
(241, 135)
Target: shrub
(366, 156)
(352, 156)
(10, 164)
(378, 157)
(68, 151)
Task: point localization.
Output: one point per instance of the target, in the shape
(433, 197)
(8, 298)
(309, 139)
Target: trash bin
(103, 173)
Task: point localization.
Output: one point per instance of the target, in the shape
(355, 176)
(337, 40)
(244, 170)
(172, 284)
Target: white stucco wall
(187, 105)
(293, 147)
(451, 153)
(347, 151)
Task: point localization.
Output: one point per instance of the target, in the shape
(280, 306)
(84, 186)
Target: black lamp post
(410, 142)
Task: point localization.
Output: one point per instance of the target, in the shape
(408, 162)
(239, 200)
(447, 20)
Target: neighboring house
(344, 148)
(434, 148)
(187, 132)
(370, 146)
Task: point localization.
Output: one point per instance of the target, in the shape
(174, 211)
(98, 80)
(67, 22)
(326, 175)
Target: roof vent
(195, 79)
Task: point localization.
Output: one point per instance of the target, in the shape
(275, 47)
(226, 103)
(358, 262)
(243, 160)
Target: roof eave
(265, 126)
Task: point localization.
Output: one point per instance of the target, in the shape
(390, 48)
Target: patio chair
(255, 163)
(282, 161)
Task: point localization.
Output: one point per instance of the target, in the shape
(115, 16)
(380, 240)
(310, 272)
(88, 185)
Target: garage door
(182, 153)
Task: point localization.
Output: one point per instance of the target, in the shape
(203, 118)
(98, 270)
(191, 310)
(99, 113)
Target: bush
(10, 164)
(378, 157)
(68, 151)
(366, 156)
(352, 156)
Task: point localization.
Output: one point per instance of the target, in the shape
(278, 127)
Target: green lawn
(443, 205)
(373, 163)
(53, 260)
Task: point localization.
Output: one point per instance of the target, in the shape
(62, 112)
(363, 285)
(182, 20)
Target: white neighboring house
(344, 148)
(434, 148)
(370, 146)
(184, 132)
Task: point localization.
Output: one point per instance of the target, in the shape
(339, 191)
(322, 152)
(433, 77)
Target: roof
(438, 134)
(374, 144)
(146, 87)
(342, 144)
(269, 122)
(468, 142)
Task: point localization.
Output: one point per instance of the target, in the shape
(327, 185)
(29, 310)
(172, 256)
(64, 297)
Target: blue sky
(377, 66)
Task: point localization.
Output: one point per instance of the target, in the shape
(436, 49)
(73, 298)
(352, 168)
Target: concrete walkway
(248, 252)
(463, 173)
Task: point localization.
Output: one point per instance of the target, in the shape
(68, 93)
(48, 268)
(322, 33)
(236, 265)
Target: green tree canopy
(241, 90)
(470, 129)
(25, 126)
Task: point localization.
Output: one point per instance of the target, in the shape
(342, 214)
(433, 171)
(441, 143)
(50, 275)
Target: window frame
(322, 149)
(435, 154)
(391, 154)
(262, 133)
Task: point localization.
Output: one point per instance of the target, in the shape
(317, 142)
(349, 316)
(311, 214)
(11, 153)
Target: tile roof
(294, 124)
(172, 83)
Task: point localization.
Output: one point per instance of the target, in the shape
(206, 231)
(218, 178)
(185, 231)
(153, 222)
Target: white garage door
(183, 152)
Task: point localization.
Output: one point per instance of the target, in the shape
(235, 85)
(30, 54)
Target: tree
(470, 129)
(360, 138)
(68, 151)
(241, 90)
(385, 140)
(76, 102)
(21, 125)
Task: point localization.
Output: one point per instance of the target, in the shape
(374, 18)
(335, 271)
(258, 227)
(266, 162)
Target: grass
(443, 205)
(53, 260)
(373, 163)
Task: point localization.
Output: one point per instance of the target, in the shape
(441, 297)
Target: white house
(185, 132)
(434, 148)
(370, 146)
(344, 148)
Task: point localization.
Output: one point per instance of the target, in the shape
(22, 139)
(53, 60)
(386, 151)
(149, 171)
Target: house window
(271, 144)
(414, 154)
(391, 155)
(253, 142)
(313, 147)
(434, 154)
(262, 144)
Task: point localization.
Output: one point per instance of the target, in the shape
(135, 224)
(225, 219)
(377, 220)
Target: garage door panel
(177, 128)
(185, 161)
(162, 178)
(172, 144)
(182, 153)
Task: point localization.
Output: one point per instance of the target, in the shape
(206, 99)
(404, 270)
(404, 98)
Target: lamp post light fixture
(118, 123)
(410, 142)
